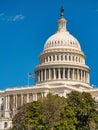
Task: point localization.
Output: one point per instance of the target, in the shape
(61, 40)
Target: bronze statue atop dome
(62, 12)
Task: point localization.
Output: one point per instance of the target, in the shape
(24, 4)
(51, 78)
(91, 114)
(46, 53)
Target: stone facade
(62, 69)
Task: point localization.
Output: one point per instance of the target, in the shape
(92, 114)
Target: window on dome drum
(52, 73)
(50, 58)
(79, 59)
(76, 58)
(5, 125)
(1, 115)
(57, 57)
(61, 73)
(69, 58)
(71, 73)
(65, 57)
(73, 58)
(53, 57)
(1, 107)
(61, 57)
(44, 59)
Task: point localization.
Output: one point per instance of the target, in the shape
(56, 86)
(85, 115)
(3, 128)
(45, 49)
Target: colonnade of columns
(12, 102)
(62, 57)
(62, 74)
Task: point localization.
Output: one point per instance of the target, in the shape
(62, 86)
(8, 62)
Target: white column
(54, 74)
(33, 97)
(84, 75)
(45, 59)
(8, 102)
(36, 97)
(88, 77)
(16, 101)
(41, 75)
(81, 76)
(59, 57)
(49, 74)
(45, 75)
(63, 73)
(42, 94)
(38, 76)
(27, 97)
(13, 101)
(21, 99)
(55, 57)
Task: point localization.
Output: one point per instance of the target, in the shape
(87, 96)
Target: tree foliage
(50, 108)
(84, 107)
(77, 112)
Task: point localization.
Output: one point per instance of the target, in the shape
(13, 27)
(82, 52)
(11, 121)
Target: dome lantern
(62, 22)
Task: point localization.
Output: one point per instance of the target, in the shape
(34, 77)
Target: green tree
(77, 112)
(28, 117)
(67, 120)
(83, 105)
(50, 108)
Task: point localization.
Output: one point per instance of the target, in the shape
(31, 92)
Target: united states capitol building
(62, 69)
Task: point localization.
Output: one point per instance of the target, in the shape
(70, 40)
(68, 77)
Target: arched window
(2, 107)
(61, 41)
(5, 125)
(69, 58)
(57, 57)
(49, 58)
(53, 57)
(65, 57)
(70, 42)
(73, 58)
(61, 57)
(76, 58)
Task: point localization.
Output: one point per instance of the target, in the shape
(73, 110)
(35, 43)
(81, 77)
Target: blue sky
(25, 25)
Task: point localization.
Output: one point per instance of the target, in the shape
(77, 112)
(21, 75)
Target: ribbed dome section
(62, 39)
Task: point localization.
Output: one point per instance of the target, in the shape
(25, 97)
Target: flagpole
(28, 79)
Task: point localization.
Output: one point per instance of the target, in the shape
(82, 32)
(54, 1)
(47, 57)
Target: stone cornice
(62, 65)
(62, 51)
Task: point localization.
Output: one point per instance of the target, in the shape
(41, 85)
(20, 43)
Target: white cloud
(18, 17)
(96, 10)
(1, 14)
(6, 18)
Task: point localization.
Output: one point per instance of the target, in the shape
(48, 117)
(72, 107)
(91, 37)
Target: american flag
(31, 75)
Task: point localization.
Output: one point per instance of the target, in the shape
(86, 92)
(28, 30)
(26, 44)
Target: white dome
(62, 39)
